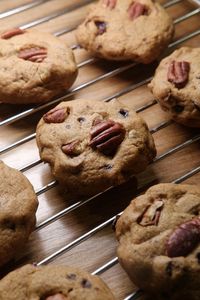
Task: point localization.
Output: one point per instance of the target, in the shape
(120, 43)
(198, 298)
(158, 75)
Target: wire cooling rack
(177, 146)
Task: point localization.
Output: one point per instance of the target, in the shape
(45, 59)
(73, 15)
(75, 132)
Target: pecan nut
(12, 32)
(178, 73)
(34, 54)
(110, 3)
(101, 26)
(72, 149)
(56, 115)
(151, 214)
(136, 10)
(184, 239)
(56, 297)
(106, 136)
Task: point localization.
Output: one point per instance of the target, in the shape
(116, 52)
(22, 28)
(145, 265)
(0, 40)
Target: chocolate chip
(10, 225)
(81, 119)
(198, 257)
(185, 269)
(101, 27)
(86, 283)
(169, 268)
(107, 167)
(178, 108)
(115, 222)
(71, 276)
(124, 112)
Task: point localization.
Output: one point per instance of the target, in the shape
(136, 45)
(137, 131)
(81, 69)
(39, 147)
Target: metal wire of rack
(16, 117)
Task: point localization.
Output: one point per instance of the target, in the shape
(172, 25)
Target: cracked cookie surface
(53, 283)
(176, 85)
(18, 207)
(159, 241)
(126, 30)
(34, 66)
(92, 145)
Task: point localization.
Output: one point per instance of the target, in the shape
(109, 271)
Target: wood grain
(100, 247)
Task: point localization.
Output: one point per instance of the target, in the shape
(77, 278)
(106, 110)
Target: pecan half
(12, 32)
(109, 3)
(106, 136)
(151, 214)
(34, 54)
(178, 73)
(72, 149)
(136, 10)
(101, 26)
(56, 115)
(184, 239)
(56, 297)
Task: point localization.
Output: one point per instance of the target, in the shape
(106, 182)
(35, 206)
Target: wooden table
(97, 80)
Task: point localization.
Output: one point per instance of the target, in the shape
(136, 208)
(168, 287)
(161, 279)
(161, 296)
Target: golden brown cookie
(53, 283)
(126, 29)
(34, 66)
(92, 145)
(176, 85)
(18, 204)
(159, 241)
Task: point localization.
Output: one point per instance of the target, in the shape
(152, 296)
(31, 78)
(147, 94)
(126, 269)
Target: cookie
(92, 145)
(18, 207)
(126, 30)
(34, 66)
(176, 85)
(159, 241)
(53, 283)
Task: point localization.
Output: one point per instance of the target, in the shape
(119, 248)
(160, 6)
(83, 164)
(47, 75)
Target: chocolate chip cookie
(34, 66)
(159, 241)
(92, 145)
(17, 217)
(53, 283)
(126, 30)
(176, 85)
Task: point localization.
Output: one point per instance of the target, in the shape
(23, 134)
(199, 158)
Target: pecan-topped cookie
(34, 66)
(159, 241)
(53, 283)
(92, 145)
(126, 29)
(18, 204)
(176, 85)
